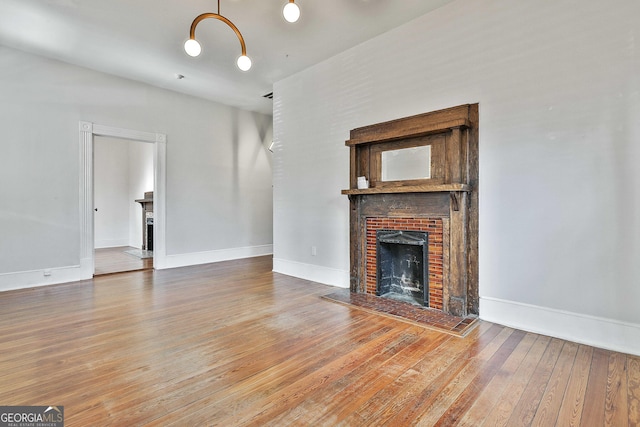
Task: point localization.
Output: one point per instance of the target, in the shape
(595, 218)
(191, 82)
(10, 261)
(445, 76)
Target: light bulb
(192, 47)
(244, 63)
(291, 12)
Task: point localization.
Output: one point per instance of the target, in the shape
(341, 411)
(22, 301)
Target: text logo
(31, 416)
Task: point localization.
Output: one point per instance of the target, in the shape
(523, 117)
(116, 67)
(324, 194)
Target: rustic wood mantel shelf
(408, 189)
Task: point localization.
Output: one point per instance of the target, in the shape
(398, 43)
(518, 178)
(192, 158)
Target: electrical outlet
(47, 272)
(314, 251)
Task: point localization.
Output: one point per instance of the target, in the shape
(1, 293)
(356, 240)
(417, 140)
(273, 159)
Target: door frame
(88, 131)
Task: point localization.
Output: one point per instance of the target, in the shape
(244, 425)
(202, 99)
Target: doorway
(88, 133)
(123, 205)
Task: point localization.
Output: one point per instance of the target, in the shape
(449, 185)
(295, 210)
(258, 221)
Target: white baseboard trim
(46, 276)
(195, 258)
(111, 243)
(315, 273)
(599, 332)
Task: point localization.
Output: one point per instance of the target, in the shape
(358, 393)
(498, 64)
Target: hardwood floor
(234, 344)
(115, 260)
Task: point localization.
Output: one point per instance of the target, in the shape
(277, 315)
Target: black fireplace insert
(403, 266)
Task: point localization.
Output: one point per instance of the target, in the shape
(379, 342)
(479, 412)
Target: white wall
(140, 169)
(123, 172)
(218, 167)
(111, 192)
(558, 83)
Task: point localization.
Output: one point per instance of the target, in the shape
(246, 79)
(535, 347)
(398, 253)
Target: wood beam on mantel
(417, 129)
(426, 188)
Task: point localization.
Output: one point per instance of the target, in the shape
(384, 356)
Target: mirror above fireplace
(405, 164)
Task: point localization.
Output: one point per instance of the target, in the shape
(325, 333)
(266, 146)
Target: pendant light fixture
(291, 11)
(193, 48)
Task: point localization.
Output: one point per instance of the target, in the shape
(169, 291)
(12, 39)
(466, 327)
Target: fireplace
(402, 266)
(422, 175)
(432, 227)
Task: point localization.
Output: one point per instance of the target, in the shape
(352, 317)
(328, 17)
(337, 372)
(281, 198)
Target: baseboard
(195, 258)
(111, 243)
(599, 332)
(46, 276)
(315, 273)
(74, 273)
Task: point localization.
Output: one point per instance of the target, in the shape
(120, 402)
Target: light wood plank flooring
(115, 260)
(234, 344)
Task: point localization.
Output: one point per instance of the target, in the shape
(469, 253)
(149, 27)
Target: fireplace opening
(402, 266)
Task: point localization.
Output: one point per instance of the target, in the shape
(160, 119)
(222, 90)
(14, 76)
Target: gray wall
(558, 85)
(219, 193)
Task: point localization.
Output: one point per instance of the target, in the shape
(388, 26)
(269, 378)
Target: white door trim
(87, 132)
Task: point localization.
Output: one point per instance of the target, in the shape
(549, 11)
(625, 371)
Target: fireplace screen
(402, 266)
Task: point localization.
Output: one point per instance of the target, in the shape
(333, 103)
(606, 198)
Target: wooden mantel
(401, 129)
(409, 189)
(450, 194)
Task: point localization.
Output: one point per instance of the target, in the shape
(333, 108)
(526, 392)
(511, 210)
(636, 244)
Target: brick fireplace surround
(445, 205)
(431, 225)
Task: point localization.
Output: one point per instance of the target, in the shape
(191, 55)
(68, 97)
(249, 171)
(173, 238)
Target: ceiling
(142, 39)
